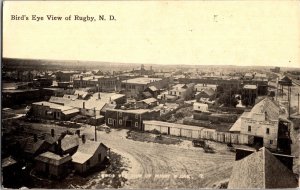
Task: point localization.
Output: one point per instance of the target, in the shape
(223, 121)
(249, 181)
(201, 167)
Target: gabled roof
(86, 150)
(69, 142)
(153, 88)
(261, 170)
(265, 106)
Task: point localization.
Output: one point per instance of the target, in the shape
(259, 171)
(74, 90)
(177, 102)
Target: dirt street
(154, 165)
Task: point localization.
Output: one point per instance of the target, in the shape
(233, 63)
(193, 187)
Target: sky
(246, 33)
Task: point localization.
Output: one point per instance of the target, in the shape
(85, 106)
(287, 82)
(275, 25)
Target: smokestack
(35, 139)
(83, 105)
(52, 132)
(83, 138)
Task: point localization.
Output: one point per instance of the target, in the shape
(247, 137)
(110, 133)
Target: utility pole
(95, 125)
(289, 100)
(298, 101)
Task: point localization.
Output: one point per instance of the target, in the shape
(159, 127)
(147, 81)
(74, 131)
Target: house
(207, 93)
(263, 125)
(129, 118)
(53, 165)
(34, 146)
(10, 171)
(69, 144)
(200, 107)
(88, 155)
(261, 170)
(133, 88)
(182, 91)
(147, 103)
(152, 90)
(48, 110)
(249, 93)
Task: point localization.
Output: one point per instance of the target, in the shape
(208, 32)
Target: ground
(155, 165)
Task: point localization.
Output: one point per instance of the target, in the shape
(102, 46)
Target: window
(136, 116)
(268, 131)
(271, 141)
(109, 121)
(136, 124)
(249, 128)
(120, 114)
(120, 122)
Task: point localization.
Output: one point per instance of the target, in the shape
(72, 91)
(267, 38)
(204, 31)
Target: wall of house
(259, 128)
(40, 111)
(114, 118)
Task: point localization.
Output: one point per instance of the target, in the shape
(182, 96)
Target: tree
(227, 99)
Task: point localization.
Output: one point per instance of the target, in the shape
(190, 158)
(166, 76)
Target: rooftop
(261, 169)
(54, 159)
(141, 80)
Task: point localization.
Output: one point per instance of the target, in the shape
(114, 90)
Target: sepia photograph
(150, 94)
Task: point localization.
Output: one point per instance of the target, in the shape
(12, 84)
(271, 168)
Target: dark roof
(261, 169)
(29, 146)
(147, 94)
(285, 81)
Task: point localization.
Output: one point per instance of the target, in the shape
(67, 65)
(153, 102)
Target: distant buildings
(133, 88)
(275, 70)
(65, 76)
(102, 83)
(182, 91)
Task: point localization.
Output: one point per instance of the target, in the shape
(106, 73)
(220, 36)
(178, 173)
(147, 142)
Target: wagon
(198, 143)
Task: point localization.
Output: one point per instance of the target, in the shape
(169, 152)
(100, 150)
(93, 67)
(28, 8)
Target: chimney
(83, 105)
(99, 96)
(59, 150)
(78, 132)
(35, 139)
(52, 132)
(83, 138)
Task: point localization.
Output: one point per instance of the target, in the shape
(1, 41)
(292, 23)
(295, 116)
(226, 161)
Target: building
(182, 91)
(42, 82)
(207, 93)
(52, 111)
(89, 155)
(65, 76)
(263, 125)
(151, 91)
(261, 170)
(53, 165)
(147, 103)
(249, 94)
(200, 107)
(133, 88)
(203, 86)
(129, 118)
(275, 70)
(101, 83)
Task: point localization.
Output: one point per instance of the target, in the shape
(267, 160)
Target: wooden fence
(195, 132)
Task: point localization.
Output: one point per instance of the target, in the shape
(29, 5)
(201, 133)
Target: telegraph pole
(95, 125)
(298, 101)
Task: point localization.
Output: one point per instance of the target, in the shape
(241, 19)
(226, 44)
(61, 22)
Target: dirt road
(156, 165)
(153, 165)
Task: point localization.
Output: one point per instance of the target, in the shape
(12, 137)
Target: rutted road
(156, 165)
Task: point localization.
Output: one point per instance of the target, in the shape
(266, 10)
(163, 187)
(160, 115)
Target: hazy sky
(194, 32)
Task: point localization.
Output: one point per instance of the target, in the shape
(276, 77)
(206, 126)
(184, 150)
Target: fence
(195, 132)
